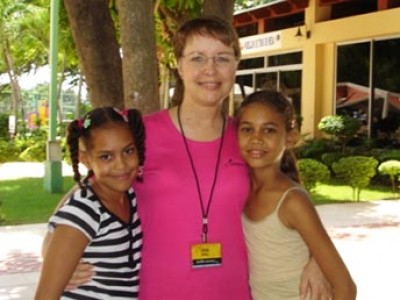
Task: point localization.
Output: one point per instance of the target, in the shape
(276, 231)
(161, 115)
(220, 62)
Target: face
(262, 136)
(112, 155)
(207, 69)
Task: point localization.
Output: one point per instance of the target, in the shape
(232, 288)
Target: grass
(24, 201)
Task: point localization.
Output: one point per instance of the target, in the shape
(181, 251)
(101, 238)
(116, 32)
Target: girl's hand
(314, 283)
(82, 274)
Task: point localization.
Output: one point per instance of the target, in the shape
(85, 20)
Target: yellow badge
(206, 255)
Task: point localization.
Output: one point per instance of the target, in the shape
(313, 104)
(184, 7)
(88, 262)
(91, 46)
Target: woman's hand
(82, 274)
(314, 283)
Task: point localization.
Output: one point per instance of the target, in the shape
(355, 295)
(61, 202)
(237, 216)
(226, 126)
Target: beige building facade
(293, 46)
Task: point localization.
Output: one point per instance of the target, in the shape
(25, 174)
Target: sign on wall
(261, 42)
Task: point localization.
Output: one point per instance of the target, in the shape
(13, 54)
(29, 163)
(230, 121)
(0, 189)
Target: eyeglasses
(199, 60)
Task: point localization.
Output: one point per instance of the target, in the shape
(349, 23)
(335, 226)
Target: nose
(256, 138)
(210, 63)
(119, 162)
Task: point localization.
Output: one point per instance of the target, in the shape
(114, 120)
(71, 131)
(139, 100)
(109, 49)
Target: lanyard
(204, 211)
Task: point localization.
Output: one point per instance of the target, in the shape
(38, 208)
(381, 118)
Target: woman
(195, 183)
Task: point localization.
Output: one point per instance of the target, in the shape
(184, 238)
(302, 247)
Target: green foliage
(329, 158)
(392, 169)
(312, 172)
(313, 148)
(356, 171)
(9, 151)
(341, 127)
(388, 155)
(34, 153)
(4, 134)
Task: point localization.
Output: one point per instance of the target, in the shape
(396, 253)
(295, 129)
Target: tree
(98, 50)
(139, 62)
(20, 50)
(96, 39)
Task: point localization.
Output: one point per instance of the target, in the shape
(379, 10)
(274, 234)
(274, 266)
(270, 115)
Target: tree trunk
(221, 8)
(15, 88)
(139, 54)
(98, 50)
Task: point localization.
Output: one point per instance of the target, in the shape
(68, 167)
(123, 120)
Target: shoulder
(155, 116)
(296, 205)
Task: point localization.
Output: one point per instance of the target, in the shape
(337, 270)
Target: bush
(330, 157)
(341, 127)
(313, 148)
(311, 172)
(388, 155)
(9, 151)
(392, 169)
(35, 152)
(356, 171)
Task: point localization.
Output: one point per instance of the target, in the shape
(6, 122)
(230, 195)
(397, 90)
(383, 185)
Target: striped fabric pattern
(114, 249)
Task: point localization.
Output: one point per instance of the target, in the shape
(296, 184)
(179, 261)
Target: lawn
(24, 201)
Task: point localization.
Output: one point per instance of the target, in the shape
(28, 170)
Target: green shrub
(9, 151)
(341, 127)
(392, 169)
(385, 155)
(313, 148)
(356, 171)
(35, 152)
(330, 157)
(4, 134)
(311, 172)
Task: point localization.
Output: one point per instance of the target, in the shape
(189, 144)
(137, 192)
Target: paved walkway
(367, 234)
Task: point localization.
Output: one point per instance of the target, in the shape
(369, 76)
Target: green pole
(53, 167)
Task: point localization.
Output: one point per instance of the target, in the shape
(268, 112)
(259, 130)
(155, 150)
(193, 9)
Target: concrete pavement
(367, 234)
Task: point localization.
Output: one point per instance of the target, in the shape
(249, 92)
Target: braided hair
(282, 105)
(80, 131)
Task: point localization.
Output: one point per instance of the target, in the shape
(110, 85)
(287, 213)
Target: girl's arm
(299, 213)
(64, 250)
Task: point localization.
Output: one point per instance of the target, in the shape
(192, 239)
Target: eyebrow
(203, 53)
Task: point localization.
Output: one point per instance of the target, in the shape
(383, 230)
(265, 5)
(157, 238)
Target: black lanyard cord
(210, 198)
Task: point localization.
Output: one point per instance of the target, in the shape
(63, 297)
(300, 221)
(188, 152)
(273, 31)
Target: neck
(198, 122)
(107, 196)
(265, 178)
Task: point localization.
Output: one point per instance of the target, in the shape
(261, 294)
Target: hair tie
(123, 113)
(80, 123)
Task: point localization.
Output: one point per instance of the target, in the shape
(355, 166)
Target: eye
(269, 130)
(105, 157)
(223, 59)
(245, 129)
(198, 59)
(129, 151)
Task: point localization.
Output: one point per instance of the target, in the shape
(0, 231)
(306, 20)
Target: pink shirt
(169, 207)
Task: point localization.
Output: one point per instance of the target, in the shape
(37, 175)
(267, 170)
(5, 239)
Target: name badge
(206, 255)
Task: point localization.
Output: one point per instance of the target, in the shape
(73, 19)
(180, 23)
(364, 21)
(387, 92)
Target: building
(327, 56)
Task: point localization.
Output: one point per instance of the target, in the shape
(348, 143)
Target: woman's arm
(64, 250)
(299, 213)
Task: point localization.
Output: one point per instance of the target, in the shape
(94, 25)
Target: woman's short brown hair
(206, 26)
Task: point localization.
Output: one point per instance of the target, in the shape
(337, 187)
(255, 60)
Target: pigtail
(73, 135)
(289, 165)
(137, 128)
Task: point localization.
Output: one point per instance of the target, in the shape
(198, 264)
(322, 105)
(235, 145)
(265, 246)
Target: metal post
(53, 168)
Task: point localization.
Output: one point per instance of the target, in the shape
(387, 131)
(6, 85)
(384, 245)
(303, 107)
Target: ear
(84, 159)
(180, 71)
(291, 138)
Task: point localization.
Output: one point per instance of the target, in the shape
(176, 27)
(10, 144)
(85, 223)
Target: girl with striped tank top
(98, 224)
(282, 228)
